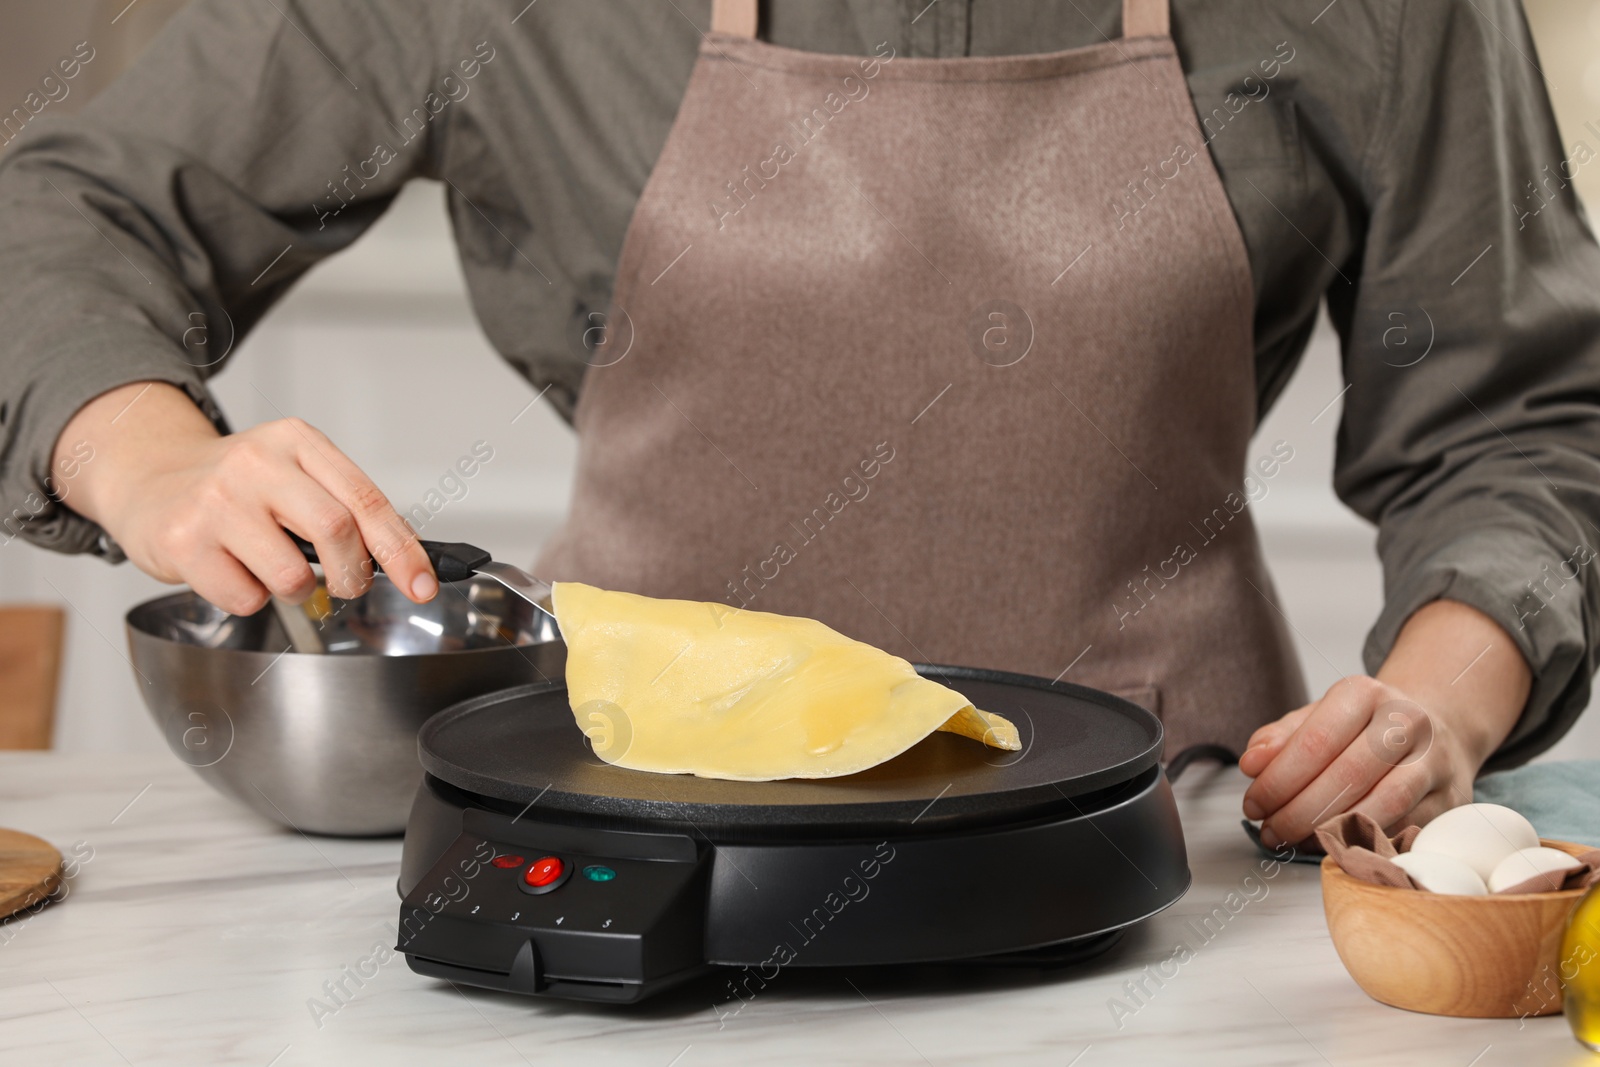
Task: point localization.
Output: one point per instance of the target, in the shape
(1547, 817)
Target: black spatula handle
(453, 561)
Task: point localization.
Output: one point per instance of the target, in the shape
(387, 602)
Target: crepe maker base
(950, 852)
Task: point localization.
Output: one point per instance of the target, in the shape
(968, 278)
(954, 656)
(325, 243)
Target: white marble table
(195, 933)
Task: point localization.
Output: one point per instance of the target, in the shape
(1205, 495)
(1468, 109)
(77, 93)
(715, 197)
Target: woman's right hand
(189, 505)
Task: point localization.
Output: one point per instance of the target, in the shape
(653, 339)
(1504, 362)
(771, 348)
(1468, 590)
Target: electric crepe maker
(532, 866)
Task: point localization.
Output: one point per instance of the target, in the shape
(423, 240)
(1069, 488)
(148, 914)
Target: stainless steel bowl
(328, 743)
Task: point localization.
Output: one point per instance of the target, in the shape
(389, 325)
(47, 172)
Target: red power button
(544, 871)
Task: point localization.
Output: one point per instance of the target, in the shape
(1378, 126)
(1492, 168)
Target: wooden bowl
(1479, 957)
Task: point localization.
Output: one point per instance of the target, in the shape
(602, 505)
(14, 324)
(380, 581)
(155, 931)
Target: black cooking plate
(522, 747)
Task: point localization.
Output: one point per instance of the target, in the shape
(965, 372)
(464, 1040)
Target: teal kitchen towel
(1562, 800)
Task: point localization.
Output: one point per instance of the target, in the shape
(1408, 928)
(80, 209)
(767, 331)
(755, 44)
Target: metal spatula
(303, 634)
(454, 561)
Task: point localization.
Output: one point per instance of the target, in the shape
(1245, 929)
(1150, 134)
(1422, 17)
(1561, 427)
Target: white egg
(1527, 863)
(1441, 874)
(1479, 835)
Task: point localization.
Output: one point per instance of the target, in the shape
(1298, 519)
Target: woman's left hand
(1401, 747)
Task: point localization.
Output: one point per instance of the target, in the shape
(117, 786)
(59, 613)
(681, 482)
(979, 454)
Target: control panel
(536, 907)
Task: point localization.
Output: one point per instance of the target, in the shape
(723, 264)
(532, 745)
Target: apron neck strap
(1140, 18)
(735, 17)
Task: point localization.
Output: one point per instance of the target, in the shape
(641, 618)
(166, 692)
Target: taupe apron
(954, 355)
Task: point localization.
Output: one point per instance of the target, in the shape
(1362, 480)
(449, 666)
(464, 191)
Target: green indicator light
(597, 873)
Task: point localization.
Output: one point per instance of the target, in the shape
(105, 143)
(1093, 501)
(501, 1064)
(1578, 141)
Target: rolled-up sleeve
(142, 238)
(1471, 338)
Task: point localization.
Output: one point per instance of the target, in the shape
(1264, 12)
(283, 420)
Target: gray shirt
(1398, 158)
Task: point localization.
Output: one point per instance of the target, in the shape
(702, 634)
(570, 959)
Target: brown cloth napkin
(1361, 848)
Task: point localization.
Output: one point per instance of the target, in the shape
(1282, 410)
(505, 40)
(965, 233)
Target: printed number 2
(516, 915)
(475, 908)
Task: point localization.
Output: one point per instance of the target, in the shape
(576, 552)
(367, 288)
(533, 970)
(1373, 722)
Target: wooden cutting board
(30, 870)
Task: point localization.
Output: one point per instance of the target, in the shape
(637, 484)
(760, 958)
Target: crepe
(683, 687)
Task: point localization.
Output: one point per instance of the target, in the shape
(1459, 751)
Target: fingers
(192, 532)
(1280, 728)
(258, 488)
(1364, 747)
(225, 582)
(271, 558)
(219, 522)
(1403, 796)
(311, 511)
(390, 541)
(1344, 783)
(211, 511)
(1326, 731)
(1268, 741)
